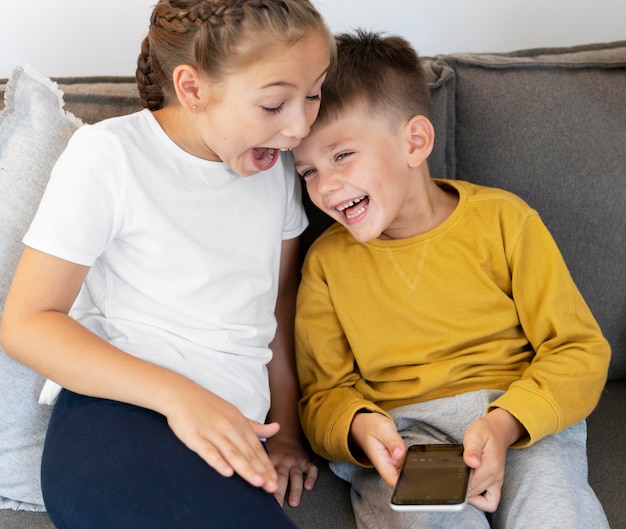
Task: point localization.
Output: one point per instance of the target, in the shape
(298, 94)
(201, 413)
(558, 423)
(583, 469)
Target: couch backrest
(550, 125)
(93, 99)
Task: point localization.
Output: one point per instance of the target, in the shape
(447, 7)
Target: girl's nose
(299, 124)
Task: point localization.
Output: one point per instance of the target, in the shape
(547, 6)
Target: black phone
(433, 477)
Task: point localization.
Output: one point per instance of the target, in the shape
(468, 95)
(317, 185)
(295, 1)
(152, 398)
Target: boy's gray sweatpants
(545, 484)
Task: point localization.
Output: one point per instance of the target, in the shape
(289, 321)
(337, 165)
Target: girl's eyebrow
(291, 85)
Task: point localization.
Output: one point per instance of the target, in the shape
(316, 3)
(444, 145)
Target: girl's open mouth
(264, 157)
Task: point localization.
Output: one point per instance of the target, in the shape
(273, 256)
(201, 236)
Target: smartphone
(433, 477)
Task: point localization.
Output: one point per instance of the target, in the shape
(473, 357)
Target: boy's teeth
(356, 213)
(350, 204)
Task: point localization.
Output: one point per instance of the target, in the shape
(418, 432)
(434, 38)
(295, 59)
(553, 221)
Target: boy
(436, 312)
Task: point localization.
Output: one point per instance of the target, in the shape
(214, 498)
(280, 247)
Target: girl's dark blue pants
(110, 465)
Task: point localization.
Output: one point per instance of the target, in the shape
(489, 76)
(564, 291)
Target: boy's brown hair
(384, 72)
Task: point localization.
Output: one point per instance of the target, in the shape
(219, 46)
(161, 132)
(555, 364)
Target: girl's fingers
(211, 455)
(250, 460)
(264, 431)
(237, 451)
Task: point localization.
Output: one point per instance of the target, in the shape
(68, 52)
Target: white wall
(102, 37)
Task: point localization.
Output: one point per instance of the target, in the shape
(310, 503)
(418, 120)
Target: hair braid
(150, 91)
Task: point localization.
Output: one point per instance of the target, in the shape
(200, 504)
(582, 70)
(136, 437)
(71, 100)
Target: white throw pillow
(34, 130)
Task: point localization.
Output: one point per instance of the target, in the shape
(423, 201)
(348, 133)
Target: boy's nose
(327, 182)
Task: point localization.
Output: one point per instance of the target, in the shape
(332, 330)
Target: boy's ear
(187, 84)
(421, 138)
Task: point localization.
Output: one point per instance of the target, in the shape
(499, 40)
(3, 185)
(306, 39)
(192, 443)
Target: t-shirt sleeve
(295, 219)
(81, 206)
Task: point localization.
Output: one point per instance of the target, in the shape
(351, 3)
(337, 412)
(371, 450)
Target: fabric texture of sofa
(547, 124)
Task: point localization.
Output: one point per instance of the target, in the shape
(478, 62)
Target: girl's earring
(194, 107)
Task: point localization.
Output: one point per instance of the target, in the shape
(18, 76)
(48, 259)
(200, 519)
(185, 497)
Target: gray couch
(547, 124)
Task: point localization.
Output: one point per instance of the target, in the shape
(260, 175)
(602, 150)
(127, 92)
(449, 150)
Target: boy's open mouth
(354, 208)
(264, 157)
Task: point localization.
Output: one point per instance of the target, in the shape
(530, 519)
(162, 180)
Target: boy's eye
(343, 155)
(306, 173)
(274, 110)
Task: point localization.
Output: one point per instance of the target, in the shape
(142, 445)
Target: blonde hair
(216, 36)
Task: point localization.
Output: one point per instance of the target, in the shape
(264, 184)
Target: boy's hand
(377, 437)
(485, 444)
(294, 466)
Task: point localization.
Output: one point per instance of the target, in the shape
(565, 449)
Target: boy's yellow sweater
(484, 301)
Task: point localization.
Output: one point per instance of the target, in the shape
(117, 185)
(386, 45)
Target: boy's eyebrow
(328, 148)
(333, 146)
(336, 145)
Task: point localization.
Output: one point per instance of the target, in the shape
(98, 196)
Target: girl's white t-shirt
(184, 253)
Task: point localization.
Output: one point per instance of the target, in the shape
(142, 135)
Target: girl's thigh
(109, 464)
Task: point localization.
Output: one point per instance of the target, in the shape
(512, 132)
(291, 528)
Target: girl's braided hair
(216, 36)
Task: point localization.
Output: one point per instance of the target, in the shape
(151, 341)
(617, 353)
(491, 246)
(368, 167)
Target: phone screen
(433, 477)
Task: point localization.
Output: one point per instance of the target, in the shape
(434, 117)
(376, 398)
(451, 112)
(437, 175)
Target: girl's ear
(421, 138)
(187, 85)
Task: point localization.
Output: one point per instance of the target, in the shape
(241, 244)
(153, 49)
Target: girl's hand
(294, 466)
(485, 444)
(218, 432)
(377, 437)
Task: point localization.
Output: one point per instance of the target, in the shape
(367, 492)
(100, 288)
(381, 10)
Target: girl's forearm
(61, 349)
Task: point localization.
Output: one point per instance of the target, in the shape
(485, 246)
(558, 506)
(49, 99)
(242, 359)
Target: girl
(158, 280)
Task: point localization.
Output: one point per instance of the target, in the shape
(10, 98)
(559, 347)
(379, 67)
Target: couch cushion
(550, 125)
(605, 448)
(34, 129)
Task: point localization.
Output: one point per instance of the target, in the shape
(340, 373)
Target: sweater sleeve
(326, 369)
(563, 382)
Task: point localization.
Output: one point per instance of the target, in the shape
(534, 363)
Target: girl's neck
(177, 124)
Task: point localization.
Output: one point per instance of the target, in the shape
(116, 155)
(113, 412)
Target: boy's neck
(437, 204)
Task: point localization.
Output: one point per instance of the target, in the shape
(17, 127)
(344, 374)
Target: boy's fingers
(387, 470)
(472, 450)
(487, 501)
(296, 482)
(281, 489)
(311, 476)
